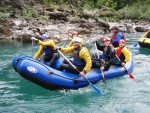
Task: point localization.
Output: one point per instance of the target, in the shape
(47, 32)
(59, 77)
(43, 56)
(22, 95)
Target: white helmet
(76, 39)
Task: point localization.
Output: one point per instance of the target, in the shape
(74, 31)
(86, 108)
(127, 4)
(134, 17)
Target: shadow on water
(145, 51)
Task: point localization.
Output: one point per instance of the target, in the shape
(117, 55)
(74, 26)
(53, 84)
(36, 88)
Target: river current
(121, 95)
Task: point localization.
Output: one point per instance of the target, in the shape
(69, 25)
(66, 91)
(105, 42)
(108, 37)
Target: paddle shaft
(32, 47)
(66, 41)
(103, 76)
(97, 51)
(68, 61)
(131, 76)
(94, 87)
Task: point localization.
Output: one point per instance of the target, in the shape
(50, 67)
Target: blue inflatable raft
(50, 78)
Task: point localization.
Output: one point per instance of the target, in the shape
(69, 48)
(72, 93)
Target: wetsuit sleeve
(39, 53)
(82, 41)
(99, 47)
(126, 53)
(70, 44)
(67, 50)
(111, 56)
(50, 43)
(84, 54)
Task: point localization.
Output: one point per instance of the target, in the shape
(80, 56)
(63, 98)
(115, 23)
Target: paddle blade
(95, 88)
(103, 77)
(131, 76)
(135, 45)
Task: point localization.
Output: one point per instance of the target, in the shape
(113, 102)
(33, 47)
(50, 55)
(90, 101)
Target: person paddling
(146, 34)
(107, 58)
(73, 35)
(81, 58)
(46, 46)
(123, 53)
(117, 35)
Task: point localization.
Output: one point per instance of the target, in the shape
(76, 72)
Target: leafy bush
(74, 19)
(137, 11)
(4, 15)
(29, 13)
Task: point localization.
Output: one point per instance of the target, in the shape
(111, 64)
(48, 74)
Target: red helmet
(122, 41)
(74, 33)
(106, 39)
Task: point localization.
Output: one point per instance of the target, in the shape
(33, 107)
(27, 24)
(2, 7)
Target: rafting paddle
(103, 76)
(66, 41)
(94, 87)
(32, 47)
(130, 75)
(136, 44)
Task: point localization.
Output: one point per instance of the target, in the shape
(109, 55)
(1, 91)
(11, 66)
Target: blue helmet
(44, 36)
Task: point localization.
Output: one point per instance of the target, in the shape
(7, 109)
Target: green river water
(121, 95)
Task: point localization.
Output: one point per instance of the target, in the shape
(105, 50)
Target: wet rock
(26, 37)
(6, 31)
(130, 28)
(6, 28)
(86, 25)
(58, 16)
(102, 23)
(140, 29)
(18, 3)
(84, 31)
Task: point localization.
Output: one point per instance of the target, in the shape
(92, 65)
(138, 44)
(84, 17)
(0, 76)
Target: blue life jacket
(102, 56)
(77, 60)
(47, 50)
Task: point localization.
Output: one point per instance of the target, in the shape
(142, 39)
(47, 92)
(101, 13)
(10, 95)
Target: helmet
(76, 39)
(44, 36)
(122, 41)
(74, 33)
(106, 39)
(115, 28)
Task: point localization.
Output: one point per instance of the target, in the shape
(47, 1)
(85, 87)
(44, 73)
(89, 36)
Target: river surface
(121, 95)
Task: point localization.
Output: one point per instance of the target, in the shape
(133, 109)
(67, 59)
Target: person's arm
(67, 50)
(50, 43)
(144, 35)
(84, 54)
(111, 57)
(126, 53)
(99, 47)
(39, 53)
(70, 44)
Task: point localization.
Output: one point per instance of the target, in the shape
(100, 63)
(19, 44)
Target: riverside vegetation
(22, 19)
(110, 10)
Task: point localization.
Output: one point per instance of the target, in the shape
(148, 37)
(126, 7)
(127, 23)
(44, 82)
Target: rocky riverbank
(23, 30)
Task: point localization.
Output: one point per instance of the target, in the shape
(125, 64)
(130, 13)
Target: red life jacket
(118, 51)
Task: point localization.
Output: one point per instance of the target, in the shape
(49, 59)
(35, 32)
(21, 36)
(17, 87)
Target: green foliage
(4, 15)
(138, 11)
(50, 3)
(73, 19)
(107, 3)
(4, 11)
(93, 13)
(45, 17)
(107, 9)
(29, 13)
